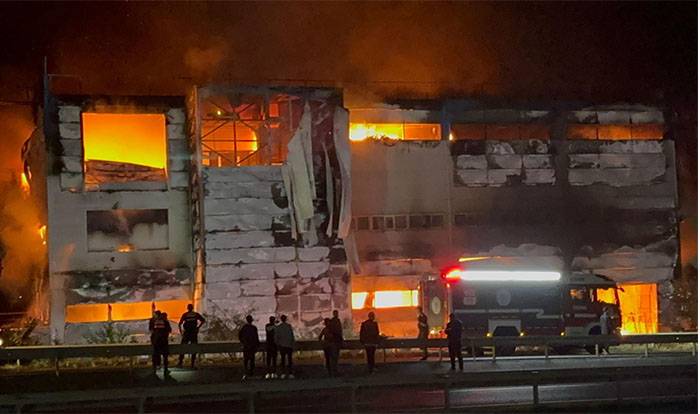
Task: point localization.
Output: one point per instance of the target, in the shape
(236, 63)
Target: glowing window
(398, 131)
(131, 311)
(359, 299)
(124, 147)
(395, 298)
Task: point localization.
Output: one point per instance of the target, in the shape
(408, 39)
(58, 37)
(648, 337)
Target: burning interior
(123, 147)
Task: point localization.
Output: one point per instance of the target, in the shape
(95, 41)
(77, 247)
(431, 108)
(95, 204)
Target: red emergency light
(452, 275)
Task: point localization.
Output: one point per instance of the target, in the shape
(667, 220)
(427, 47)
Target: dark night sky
(597, 52)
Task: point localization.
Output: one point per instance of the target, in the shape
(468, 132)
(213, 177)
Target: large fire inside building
(279, 200)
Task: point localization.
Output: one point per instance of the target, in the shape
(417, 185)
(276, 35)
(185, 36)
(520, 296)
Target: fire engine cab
(494, 302)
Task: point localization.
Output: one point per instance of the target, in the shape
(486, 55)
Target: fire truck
(528, 302)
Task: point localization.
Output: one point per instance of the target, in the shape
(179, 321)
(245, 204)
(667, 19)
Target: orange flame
(360, 132)
(24, 183)
(42, 234)
(123, 248)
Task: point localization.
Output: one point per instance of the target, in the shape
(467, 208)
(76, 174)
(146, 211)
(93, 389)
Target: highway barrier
(597, 342)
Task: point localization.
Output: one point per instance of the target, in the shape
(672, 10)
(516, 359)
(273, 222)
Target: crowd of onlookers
(280, 339)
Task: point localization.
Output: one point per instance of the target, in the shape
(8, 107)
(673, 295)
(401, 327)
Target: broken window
(127, 311)
(121, 147)
(243, 129)
(615, 132)
(397, 131)
(123, 230)
(499, 132)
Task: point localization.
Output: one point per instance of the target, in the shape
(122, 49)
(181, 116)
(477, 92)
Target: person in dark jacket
(330, 344)
(159, 338)
(370, 338)
(151, 324)
(423, 330)
(270, 349)
(189, 325)
(248, 336)
(337, 327)
(284, 339)
(454, 330)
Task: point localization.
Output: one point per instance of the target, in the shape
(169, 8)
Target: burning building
(245, 199)
(548, 187)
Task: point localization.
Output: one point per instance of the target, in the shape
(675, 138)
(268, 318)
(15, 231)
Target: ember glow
(123, 248)
(125, 138)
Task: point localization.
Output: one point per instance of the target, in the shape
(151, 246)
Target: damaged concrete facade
(266, 235)
(249, 210)
(575, 189)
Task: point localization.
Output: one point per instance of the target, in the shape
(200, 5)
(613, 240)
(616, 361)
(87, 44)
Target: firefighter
(454, 341)
(330, 344)
(369, 336)
(284, 339)
(160, 335)
(189, 325)
(248, 336)
(151, 323)
(423, 330)
(337, 327)
(270, 349)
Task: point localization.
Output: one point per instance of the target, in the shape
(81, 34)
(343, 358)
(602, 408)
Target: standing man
(454, 341)
(369, 336)
(248, 336)
(330, 344)
(337, 328)
(189, 325)
(605, 325)
(160, 335)
(284, 339)
(423, 330)
(270, 349)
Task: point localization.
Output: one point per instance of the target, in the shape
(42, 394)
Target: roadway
(328, 394)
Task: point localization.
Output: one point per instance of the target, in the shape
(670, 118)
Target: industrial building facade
(278, 200)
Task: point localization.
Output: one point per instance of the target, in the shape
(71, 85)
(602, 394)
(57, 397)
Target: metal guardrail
(250, 392)
(128, 350)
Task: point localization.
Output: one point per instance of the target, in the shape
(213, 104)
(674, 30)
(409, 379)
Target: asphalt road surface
(407, 399)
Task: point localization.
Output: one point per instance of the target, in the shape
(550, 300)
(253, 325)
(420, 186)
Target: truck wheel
(506, 331)
(591, 348)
